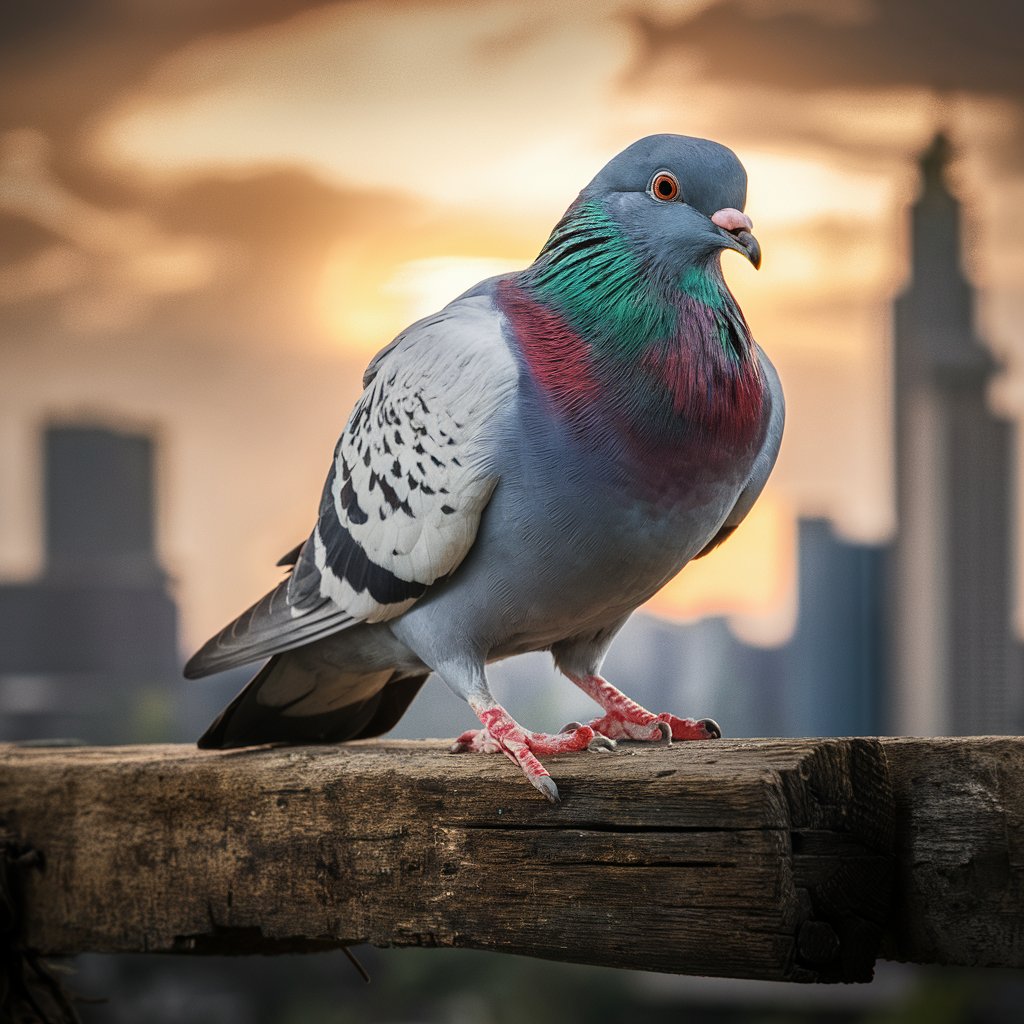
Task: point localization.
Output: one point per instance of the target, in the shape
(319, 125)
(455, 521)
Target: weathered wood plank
(959, 897)
(761, 859)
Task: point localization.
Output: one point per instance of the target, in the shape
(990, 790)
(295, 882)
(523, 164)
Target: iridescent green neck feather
(617, 340)
(619, 300)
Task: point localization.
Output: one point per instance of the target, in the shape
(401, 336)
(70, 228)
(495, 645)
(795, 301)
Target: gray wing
(764, 462)
(411, 475)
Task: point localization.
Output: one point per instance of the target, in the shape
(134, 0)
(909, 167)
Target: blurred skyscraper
(955, 665)
(89, 650)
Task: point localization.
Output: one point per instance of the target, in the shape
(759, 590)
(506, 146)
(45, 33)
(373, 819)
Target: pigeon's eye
(665, 187)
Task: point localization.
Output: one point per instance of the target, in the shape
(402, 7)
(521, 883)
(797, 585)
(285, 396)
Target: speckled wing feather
(410, 478)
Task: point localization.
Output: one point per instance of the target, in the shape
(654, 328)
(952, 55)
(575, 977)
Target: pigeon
(524, 469)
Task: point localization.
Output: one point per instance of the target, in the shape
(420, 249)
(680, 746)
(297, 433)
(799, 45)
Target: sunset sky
(212, 215)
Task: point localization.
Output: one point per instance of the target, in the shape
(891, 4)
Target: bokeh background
(211, 217)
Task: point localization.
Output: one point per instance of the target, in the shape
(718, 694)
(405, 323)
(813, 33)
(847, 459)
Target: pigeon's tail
(286, 702)
(272, 625)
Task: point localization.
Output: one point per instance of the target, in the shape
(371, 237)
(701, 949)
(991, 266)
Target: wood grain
(757, 859)
(959, 897)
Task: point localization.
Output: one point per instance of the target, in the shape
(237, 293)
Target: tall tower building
(89, 649)
(954, 656)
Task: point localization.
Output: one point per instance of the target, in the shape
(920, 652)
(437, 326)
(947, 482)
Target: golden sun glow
(426, 285)
(366, 302)
(352, 301)
(453, 161)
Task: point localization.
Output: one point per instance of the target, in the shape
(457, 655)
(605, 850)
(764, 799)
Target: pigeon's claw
(666, 733)
(545, 785)
(501, 733)
(713, 729)
(624, 719)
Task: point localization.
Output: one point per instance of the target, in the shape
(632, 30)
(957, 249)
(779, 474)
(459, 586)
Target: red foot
(502, 733)
(626, 720)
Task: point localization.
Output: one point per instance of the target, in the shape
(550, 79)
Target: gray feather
(270, 626)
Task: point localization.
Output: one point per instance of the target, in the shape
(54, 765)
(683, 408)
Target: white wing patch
(411, 474)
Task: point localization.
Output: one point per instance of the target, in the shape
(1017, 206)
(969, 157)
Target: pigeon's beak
(737, 227)
(747, 244)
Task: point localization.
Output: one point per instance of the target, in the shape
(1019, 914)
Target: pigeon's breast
(662, 419)
(565, 544)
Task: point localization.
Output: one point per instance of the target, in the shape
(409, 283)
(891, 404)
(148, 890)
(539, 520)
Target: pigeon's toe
(600, 742)
(503, 734)
(713, 729)
(547, 788)
(665, 729)
(475, 741)
(691, 728)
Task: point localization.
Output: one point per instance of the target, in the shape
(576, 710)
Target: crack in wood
(761, 859)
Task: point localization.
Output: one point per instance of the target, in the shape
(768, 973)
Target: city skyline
(178, 258)
(871, 651)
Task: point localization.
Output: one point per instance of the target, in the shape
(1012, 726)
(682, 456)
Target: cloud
(865, 78)
(63, 60)
(946, 46)
(110, 263)
(497, 104)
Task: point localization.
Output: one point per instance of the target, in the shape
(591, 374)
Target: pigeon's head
(678, 200)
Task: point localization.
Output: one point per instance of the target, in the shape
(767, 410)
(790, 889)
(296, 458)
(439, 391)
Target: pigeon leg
(624, 719)
(501, 733)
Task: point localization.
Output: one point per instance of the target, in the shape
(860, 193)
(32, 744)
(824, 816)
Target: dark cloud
(20, 238)
(792, 49)
(63, 60)
(945, 46)
(272, 233)
(45, 27)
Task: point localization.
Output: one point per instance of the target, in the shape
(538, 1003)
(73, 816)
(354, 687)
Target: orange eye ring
(664, 187)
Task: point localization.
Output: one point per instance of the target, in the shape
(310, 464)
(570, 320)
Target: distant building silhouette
(89, 650)
(954, 658)
(834, 665)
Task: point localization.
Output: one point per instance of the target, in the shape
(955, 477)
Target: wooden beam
(959, 897)
(795, 860)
